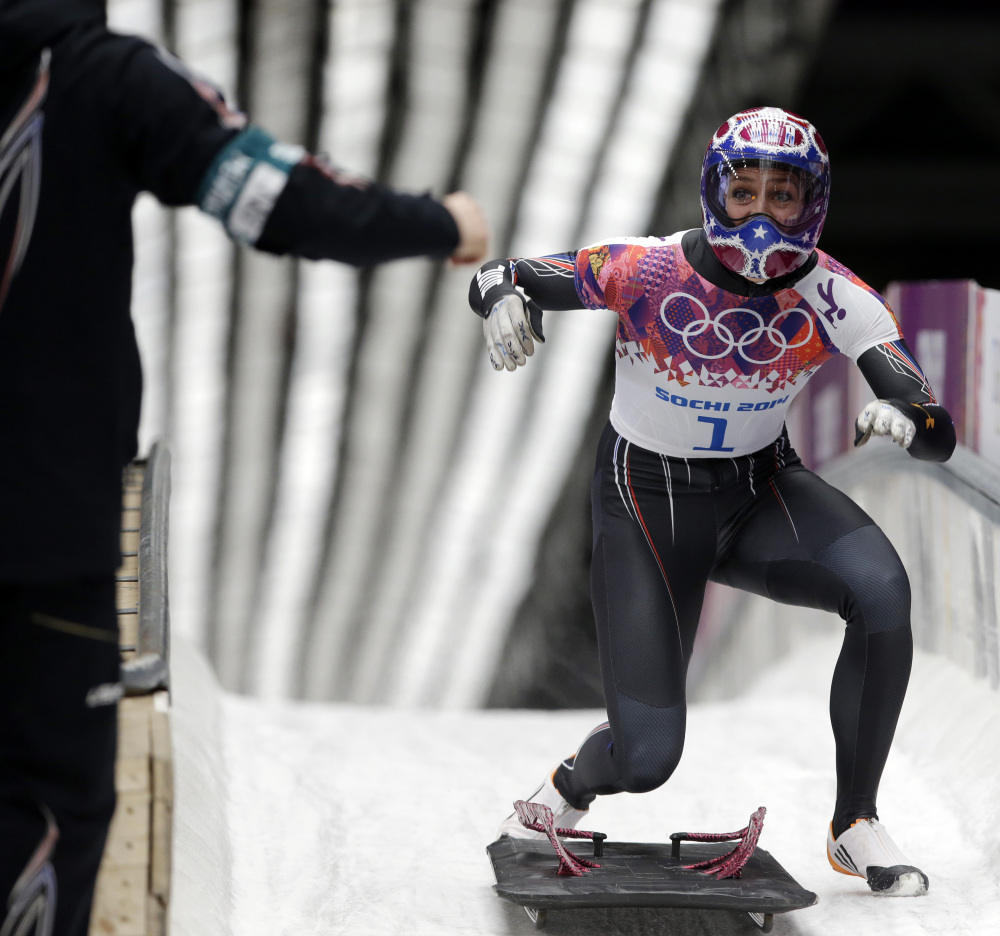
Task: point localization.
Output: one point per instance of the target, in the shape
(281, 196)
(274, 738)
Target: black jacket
(88, 119)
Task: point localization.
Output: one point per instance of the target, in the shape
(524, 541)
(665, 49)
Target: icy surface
(371, 822)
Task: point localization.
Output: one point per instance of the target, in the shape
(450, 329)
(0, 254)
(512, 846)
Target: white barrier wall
(943, 520)
(987, 375)
(201, 897)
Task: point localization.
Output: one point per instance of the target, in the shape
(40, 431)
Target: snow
(374, 821)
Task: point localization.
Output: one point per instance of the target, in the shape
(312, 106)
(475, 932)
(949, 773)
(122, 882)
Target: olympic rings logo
(724, 333)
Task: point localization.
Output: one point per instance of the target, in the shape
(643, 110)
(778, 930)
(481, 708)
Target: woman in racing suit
(696, 481)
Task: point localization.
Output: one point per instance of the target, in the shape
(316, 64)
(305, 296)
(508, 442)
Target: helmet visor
(793, 197)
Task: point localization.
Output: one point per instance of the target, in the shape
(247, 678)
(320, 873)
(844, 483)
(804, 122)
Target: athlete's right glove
(882, 418)
(510, 337)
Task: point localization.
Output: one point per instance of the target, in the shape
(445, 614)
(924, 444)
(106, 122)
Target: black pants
(663, 528)
(59, 677)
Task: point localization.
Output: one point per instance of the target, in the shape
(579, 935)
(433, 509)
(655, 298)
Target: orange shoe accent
(839, 868)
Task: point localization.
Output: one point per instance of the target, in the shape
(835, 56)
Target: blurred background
(362, 510)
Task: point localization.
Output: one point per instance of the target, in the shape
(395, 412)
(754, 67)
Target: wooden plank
(133, 727)
(133, 886)
(161, 838)
(128, 630)
(129, 567)
(156, 916)
(160, 857)
(132, 774)
(131, 822)
(162, 765)
(162, 780)
(128, 836)
(120, 903)
(159, 726)
(126, 595)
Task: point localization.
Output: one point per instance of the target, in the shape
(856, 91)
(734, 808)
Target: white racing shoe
(865, 850)
(564, 815)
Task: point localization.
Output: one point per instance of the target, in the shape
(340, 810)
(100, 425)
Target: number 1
(718, 434)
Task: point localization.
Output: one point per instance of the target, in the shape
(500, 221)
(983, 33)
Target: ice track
(331, 819)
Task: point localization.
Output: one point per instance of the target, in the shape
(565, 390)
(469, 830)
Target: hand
(883, 419)
(510, 339)
(473, 231)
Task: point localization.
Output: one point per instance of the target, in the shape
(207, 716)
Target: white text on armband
(244, 182)
(717, 405)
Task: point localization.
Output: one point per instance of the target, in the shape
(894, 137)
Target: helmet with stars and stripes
(765, 188)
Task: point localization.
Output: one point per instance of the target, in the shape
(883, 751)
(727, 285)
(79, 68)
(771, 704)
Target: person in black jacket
(88, 120)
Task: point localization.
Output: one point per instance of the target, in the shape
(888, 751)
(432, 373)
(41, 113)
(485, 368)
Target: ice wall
(943, 520)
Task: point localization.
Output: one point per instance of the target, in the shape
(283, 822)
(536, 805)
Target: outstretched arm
(547, 283)
(179, 140)
(510, 295)
(282, 200)
(906, 408)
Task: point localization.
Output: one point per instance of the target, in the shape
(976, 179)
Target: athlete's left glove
(510, 335)
(882, 418)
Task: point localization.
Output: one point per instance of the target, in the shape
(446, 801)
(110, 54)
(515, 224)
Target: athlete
(696, 480)
(88, 119)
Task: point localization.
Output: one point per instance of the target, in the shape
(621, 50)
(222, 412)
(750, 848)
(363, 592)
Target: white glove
(883, 419)
(510, 339)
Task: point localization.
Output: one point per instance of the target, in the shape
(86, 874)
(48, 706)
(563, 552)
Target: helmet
(765, 188)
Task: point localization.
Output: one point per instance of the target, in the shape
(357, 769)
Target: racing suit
(696, 481)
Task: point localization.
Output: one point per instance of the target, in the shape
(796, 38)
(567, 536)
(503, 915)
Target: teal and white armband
(245, 181)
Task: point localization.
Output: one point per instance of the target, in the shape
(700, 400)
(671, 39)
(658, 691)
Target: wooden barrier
(133, 886)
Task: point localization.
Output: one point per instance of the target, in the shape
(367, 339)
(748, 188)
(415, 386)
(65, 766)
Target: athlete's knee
(881, 598)
(877, 584)
(649, 745)
(645, 768)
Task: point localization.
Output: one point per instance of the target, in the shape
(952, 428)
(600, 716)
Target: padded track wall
(943, 519)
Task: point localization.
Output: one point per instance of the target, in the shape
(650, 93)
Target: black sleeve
(186, 146)
(546, 282)
(894, 375)
(170, 123)
(323, 215)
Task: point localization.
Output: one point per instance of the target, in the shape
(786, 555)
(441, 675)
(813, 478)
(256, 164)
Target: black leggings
(59, 674)
(663, 528)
